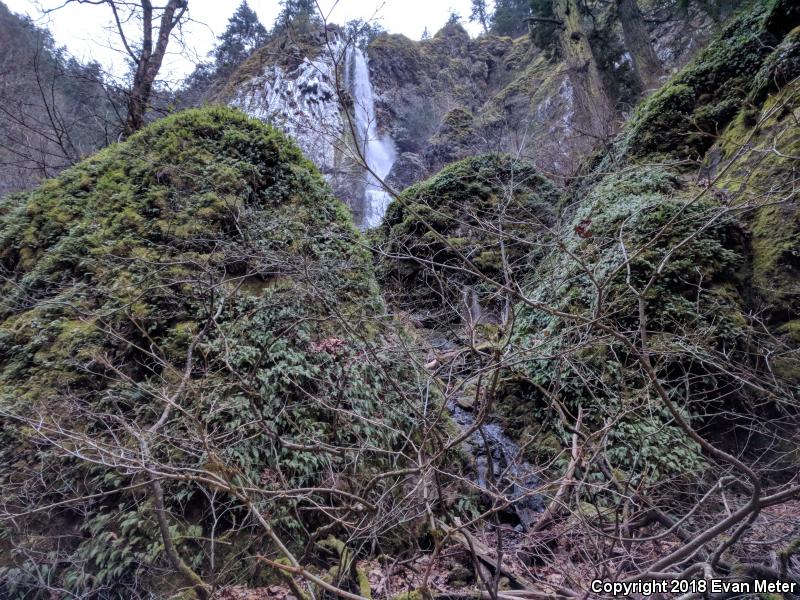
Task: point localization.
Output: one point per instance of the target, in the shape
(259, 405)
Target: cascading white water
(378, 151)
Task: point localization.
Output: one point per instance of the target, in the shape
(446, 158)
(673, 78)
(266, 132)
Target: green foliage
(685, 116)
(781, 67)
(242, 36)
(767, 143)
(453, 18)
(693, 293)
(466, 203)
(361, 33)
(479, 13)
(509, 17)
(110, 272)
(298, 15)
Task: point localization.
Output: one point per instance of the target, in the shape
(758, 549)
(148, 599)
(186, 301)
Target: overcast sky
(83, 28)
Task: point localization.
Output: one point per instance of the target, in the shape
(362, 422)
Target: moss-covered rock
(685, 116)
(456, 215)
(399, 57)
(780, 68)
(456, 137)
(207, 230)
(624, 217)
(722, 258)
(759, 153)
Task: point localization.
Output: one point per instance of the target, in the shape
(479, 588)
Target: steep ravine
(213, 385)
(421, 105)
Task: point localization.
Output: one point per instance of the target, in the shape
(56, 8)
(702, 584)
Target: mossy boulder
(780, 68)
(684, 118)
(720, 245)
(456, 215)
(456, 137)
(701, 333)
(206, 261)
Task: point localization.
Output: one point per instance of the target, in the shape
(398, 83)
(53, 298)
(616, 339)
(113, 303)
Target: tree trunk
(592, 105)
(149, 57)
(139, 98)
(192, 578)
(637, 41)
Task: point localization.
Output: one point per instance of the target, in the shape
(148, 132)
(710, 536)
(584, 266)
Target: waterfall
(378, 151)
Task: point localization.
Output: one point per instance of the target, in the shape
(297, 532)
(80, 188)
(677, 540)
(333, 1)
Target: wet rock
(466, 402)
(409, 168)
(499, 465)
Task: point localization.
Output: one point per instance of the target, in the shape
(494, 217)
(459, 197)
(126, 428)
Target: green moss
(792, 329)
(463, 204)
(413, 595)
(364, 587)
(684, 117)
(402, 53)
(763, 144)
(112, 270)
(787, 368)
(781, 67)
(457, 120)
(776, 239)
(630, 208)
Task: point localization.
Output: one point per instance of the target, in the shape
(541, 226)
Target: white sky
(83, 29)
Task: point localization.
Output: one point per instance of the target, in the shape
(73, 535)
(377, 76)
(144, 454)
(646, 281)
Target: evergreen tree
(300, 15)
(480, 14)
(360, 32)
(454, 18)
(244, 34)
(545, 28)
(509, 17)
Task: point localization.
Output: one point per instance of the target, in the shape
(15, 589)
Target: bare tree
(53, 109)
(157, 26)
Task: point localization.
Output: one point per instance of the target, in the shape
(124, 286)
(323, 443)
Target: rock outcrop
(455, 216)
(293, 85)
(696, 197)
(174, 313)
(451, 96)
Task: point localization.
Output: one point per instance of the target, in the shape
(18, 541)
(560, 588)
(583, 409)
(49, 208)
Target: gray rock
(409, 168)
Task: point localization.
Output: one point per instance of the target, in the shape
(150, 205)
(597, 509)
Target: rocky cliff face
(302, 101)
(450, 97)
(316, 87)
(293, 84)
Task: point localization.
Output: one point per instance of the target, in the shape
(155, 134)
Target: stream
(489, 446)
(510, 475)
